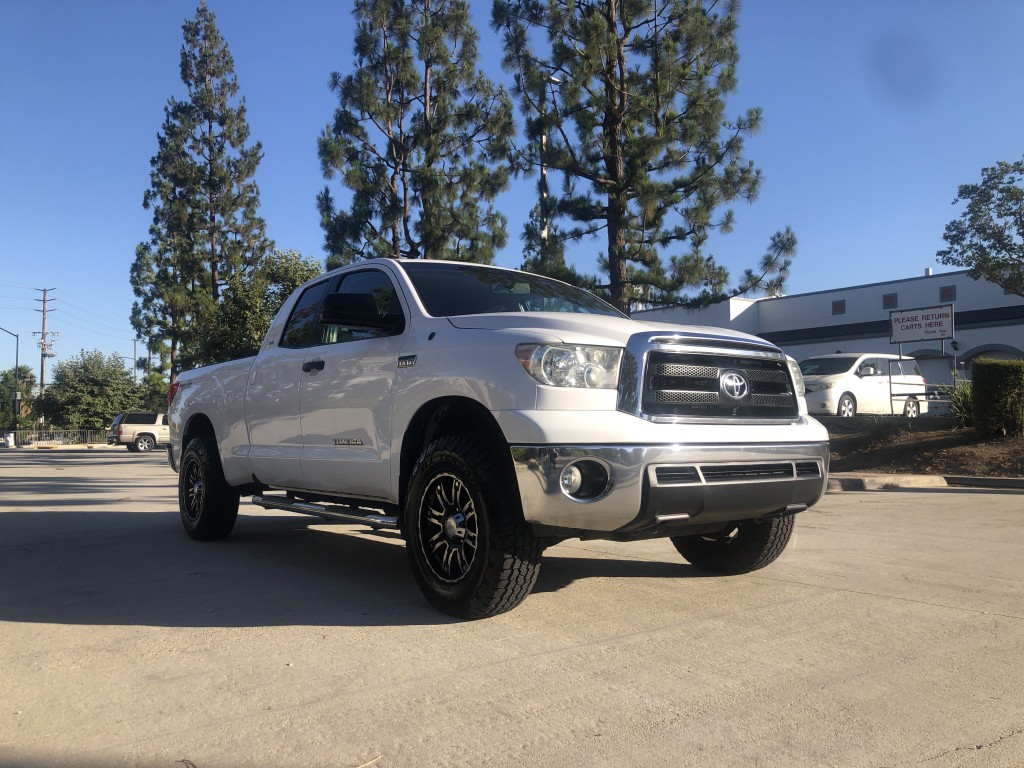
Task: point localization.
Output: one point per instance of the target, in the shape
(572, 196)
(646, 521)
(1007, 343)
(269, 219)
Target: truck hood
(571, 328)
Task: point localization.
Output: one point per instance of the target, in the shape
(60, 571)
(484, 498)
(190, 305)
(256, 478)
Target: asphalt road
(890, 633)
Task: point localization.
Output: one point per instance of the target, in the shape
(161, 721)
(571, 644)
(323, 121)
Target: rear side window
(140, 418)
(298, 331)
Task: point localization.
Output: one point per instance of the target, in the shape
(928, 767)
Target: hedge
(997, 388)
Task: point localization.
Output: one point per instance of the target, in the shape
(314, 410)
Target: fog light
(571, 480)
(585, 480)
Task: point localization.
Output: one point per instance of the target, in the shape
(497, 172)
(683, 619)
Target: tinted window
(298, 331)
(450, 290)
(140, 418)
(908, 368)
(826, 366)
(871, 366)
(369, 283)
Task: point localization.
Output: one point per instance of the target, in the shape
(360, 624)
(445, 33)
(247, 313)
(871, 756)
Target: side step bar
(370, 517)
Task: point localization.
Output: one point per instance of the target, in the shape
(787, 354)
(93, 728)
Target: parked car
(139, 431)
(870, 382)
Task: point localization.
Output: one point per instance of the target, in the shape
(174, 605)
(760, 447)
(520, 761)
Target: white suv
(848, 384)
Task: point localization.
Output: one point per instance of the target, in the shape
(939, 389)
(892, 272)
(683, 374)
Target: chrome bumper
(662, 490)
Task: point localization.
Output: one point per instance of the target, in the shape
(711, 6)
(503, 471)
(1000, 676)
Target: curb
(839, 482)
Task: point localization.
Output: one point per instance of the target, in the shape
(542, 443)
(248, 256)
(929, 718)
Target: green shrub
(998, 395)
(961, 402)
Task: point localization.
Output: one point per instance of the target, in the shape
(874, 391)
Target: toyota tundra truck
(487, 414)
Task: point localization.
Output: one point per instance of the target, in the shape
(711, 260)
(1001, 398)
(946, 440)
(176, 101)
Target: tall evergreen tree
(419, 139)
(204, 200)
(629, 96)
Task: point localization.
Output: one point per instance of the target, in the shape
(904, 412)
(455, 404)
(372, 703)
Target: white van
(870, 382)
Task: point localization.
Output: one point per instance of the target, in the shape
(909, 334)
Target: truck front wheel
(740, 548)
(471, 552)
(208, 505)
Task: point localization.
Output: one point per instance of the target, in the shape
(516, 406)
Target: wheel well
(446, 416)
(198, 426)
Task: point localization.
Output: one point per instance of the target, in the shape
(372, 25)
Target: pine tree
(419, 139)
(204, 200)
(633, 114)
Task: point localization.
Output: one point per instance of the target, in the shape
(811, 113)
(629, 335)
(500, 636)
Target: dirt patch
(920, 446)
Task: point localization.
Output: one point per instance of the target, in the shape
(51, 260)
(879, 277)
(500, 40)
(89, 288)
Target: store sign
(925, 324)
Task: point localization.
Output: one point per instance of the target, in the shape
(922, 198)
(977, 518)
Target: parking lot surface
(890, 633)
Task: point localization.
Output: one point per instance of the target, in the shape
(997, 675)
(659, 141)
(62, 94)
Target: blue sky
(874, 113)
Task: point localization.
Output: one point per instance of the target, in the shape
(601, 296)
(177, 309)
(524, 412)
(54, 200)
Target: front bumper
(663, 490)
(824, 402)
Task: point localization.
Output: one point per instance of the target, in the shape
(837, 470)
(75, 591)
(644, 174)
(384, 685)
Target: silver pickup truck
(487, 414)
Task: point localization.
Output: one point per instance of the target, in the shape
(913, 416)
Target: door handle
(313, 365)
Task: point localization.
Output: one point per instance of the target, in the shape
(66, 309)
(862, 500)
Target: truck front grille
(699, 384)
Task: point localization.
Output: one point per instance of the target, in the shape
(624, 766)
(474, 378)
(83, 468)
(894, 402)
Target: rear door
(347, 396)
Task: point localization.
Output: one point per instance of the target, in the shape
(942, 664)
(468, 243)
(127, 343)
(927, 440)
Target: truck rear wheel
(742, 547)
(208, 505)
(144, 443)
(471, 552)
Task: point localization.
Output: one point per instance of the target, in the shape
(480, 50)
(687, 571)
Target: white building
(988, 320)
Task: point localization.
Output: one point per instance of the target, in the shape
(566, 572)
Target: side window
(298, 331)
(909, 368)
(163, 420)
(868, 367)
(371, 283)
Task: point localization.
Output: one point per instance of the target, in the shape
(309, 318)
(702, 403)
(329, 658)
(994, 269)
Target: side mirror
(358, 310)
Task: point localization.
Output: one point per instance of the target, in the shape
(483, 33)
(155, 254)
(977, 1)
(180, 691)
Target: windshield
(448, 290)
(827, 366)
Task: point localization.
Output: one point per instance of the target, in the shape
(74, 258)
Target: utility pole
(45, 345)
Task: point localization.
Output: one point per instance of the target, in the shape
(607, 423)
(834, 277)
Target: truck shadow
(138, 568)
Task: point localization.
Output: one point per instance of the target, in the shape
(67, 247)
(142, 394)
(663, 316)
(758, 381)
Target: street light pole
(17, 392)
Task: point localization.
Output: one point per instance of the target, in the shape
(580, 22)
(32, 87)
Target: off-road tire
(743, 547)
(144, 443)
(472, 554)
(208, 505)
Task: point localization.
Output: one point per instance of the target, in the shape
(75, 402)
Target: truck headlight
(571, 365)
(796, 374)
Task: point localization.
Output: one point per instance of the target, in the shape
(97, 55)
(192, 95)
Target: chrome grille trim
(694, 377)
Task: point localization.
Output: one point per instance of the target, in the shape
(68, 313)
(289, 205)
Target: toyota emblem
(734, 385)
